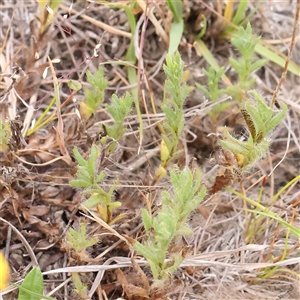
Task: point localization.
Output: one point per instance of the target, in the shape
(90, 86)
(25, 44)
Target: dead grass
(37, 204)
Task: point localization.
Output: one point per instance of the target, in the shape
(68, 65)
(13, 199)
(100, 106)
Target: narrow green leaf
(93, 201)
(100, 177)
(146, 219)
(252, 111)
(257, 65)
(203, 89)
(80, 183)
(275, 121)
(146, 251)
(78, 157)
(176, 8)
(270, 54)
(176, 32)
(240, 12)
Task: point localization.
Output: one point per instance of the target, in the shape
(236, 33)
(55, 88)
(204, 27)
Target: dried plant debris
(130, 173)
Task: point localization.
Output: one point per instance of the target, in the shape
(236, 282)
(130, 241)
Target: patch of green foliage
(94, 96)
(89, 179)
(176, 93)
(259, 118)
(170, 223)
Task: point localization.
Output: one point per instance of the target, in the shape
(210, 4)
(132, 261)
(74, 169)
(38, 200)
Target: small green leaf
(147, 220)
(176, 32)
(78, 157)
(113, 205)
(146, 251)
(203, 89)
(257, 65)
(32, 287)
(79, 183)
(176, 7)
(240, 12)
(93, 200)
(100, 177)
(74, 85)
(119, 109)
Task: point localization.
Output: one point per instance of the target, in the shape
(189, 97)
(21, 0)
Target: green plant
(78, 240)
(170, 224)
(32, 287)
(89, 179)
(263, 48)
(80, 287)
(119, 109)
(213, 92)
(245, 43)
(94, 96)
(177, 26)
(259, 118)
(246, 65)
(176, 92)
(5, 134)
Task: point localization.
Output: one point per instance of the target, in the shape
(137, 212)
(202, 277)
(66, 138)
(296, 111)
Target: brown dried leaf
(223, 179)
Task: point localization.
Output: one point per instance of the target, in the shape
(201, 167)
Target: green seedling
(78, 240)
(263, 48)
(119, 109)
(80, 287)
(213, 92)
(94, 96)
(246, 65)
(176, 93)
(170, 224)
(261, 120)
(130, 7)
(5, 134)
(89, 179)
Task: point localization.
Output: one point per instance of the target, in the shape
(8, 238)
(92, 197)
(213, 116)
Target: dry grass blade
(60, 124)
(285, 69)
(97, 23)
(24, 242)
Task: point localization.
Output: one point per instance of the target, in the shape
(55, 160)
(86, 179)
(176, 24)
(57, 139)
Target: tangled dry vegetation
(233, 253)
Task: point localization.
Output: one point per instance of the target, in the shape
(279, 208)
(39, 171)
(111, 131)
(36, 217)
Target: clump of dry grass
(37, 204)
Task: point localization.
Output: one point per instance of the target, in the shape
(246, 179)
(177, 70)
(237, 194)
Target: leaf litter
(35, 195)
